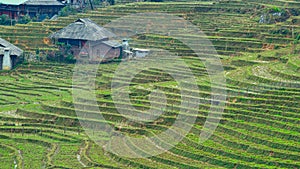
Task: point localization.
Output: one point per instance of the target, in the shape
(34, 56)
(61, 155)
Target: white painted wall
(7, 65)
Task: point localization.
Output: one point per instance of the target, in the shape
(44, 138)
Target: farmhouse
(34, 8)
(8, 55)
(88, 40)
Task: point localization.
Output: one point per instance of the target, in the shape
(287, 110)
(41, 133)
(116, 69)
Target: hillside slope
(260, 127)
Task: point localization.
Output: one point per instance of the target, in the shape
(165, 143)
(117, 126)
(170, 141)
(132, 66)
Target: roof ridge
(88, 30)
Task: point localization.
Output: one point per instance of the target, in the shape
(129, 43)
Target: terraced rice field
(258, 129)
(233, 29)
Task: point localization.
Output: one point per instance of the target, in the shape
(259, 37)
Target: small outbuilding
(140, 53)
(9, 54)
(88, 40)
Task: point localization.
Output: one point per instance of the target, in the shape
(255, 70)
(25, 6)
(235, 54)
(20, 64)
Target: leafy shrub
(281, 30)
(5, 20)
(275, 9)
(24, 19)
(70, 59)
(111, 2)
(66, 11)
(155, 0)
(297, 39)
(63, 55)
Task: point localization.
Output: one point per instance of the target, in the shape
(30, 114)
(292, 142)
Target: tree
(92, 7)
(5, 20)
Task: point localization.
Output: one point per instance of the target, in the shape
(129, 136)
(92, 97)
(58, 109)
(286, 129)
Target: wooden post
(293, 34)
(22, 131)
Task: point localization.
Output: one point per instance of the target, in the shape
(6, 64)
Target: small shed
(9, 54)
(140, 53)
(88, 38)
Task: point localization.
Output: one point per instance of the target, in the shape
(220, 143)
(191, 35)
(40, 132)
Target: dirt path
(50, 156)
(79, 158)
(19, 160)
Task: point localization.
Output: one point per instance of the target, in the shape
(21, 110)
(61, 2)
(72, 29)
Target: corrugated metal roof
(14, 49)
(31, 2)
(43, 2)
(83, 29)
(12, 2)
(112, 43)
